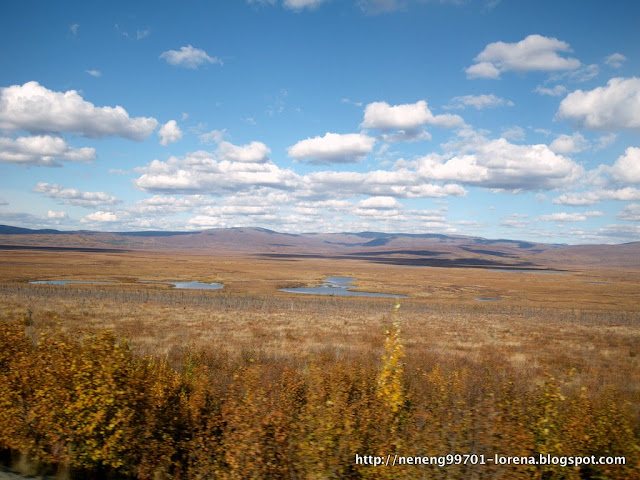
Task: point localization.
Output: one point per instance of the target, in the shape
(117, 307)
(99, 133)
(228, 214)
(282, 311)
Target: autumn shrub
(88, 404)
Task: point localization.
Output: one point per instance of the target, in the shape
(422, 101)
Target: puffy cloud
(100, 217)
(398, 184)
(42, 150)
(167, 205)
(255, 152)
(302, 4)
(52, 215)
(71, 196)
(608, 180)
(188, 57)
(555, 91)
(534, 53)
(568, 144)
(615, 60)
(626, 169)
(169, 133)
(410, 116)
(616, 106)
(205, 173)
(563, 217)
(483, 70)
(499, 164)
(333, 148)
(579, 199)
(405, 136)
(630, 213)
(94, 73)
(479, 102)
(36, 109)
(380, 203)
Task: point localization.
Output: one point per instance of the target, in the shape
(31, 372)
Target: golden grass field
(583, 336)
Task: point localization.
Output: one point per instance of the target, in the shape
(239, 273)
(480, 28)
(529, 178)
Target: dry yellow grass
(545, 320)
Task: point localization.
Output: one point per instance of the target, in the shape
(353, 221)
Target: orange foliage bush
(89, 404)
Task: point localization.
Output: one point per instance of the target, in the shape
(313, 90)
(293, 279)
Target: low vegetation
(89, 405)
(142, 381)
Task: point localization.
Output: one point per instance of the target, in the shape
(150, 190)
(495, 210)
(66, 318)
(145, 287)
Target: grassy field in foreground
(248, 382)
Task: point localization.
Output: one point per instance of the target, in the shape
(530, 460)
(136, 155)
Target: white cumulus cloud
(379, 203)
(100, 217)
(498, 164)
(36, 109)
(626, 169)
(616, 106)
(188, 57)
(630, 213)
(534, 53)
(53, 215)
(254, 152)
(580, 199)
(169, 133)
(399, 184)
(568, 144)
(333, 148)
(42, 150)
(410, 116)
(205, 173)
(72, 196)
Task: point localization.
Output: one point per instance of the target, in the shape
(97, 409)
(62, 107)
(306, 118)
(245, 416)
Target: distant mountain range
(427, 249)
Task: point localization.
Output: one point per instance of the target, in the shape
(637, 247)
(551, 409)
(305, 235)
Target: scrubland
(142, 381)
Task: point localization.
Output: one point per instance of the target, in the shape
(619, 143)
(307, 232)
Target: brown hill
(391, 248)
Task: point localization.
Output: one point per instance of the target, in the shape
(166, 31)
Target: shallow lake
(484, 299)
(338, 286)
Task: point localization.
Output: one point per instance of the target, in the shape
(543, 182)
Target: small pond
(338, 286)
(193, 285)
(486, 299)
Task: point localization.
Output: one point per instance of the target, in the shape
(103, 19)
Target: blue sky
(517, 119)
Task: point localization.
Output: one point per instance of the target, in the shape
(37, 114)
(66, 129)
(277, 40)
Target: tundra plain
(551, 368)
